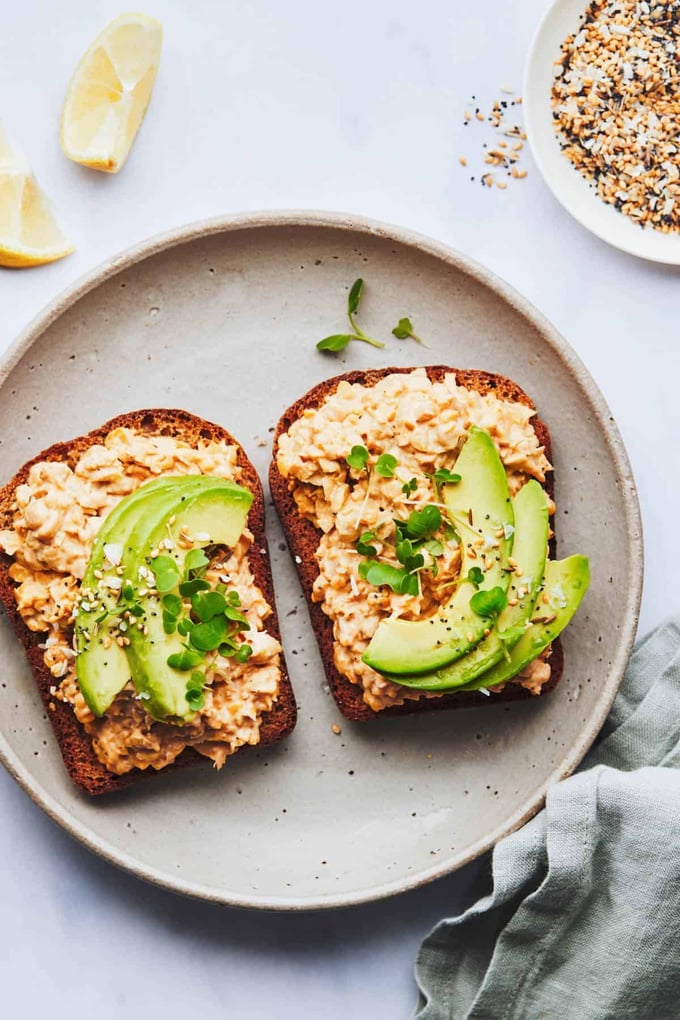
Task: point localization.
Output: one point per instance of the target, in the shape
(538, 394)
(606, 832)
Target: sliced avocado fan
(102, 667)
(118, 575)
(480, 510)
(530, 508)
(564, 585)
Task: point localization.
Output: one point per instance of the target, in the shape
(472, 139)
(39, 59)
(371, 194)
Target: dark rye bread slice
(81, 762)
(303, 539)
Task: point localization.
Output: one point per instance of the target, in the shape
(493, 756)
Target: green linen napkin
(583, 920)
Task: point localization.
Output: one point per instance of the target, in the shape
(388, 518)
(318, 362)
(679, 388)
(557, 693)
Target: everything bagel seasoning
(616, 106)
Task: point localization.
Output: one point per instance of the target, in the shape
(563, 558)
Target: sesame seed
(336, 729)
(462, 160)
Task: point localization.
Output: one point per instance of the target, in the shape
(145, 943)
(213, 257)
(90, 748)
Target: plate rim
(530, 103)
(444, 253)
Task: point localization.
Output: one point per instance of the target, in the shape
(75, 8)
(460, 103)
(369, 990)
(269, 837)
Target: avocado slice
(565, 583)
(214, 513)
(480, 509)
(102, 667)
(529, 551)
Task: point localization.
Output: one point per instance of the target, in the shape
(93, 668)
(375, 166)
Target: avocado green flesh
(214, 516)
(478, 506)
(565, 584)
(529, 551)
(136, 523)
(103, 672)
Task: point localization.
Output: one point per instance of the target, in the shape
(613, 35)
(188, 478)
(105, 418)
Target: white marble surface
(356, 107)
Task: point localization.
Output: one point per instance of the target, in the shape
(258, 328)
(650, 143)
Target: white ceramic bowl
(566, 183)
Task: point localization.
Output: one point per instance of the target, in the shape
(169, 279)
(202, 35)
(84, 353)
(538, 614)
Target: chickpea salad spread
(109, 568)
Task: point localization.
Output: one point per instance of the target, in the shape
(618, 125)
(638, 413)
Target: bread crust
(303, 540)
(81, 762)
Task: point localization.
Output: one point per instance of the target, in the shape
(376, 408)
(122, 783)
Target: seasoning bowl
(578, 195)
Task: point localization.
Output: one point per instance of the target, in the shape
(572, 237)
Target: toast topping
(58, 514)
(421, 424)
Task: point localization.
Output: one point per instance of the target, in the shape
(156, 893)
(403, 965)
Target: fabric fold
(583, 921)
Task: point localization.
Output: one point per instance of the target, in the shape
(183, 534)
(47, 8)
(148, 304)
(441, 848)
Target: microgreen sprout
(404, 329)
(194, 692)
(358, 458)
(166, 572)
(411, 538)
(338, 341)
(385, 465)
(475, 576)
(364, 544)
(443, 476)
(489, 602)
(208, 616)
(410, 486)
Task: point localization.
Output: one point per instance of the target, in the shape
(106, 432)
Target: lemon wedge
(29, 234)
(110, 91)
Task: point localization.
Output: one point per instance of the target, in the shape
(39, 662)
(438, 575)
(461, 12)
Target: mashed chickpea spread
(58, 514)
(421, 424)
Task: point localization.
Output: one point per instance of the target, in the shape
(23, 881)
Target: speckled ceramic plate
(221, 318)
(567, 184)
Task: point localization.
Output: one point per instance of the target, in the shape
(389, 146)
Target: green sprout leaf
(185, 660)
(208, 636)
(385, 465)
(195, 560)
(195, 697)
(409, 585)
(489, 603)
(172, 604)
(233, 598)
(166, 572)
(227, 648)
(196, 681)
(358, 458)
(364, 546)
(244, 653)
(189, 588)
(404, 549)
(409, 487)
(208, 604)
(354, 296)
(423, 523)
(128, 591)
(336, 342)
(404, 329)
(185, 626)
(443, 476)
(384, 574)
(475, 576)
(235, 616)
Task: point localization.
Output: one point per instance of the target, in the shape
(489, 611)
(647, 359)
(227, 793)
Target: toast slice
(303, 539)
(83, 765)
